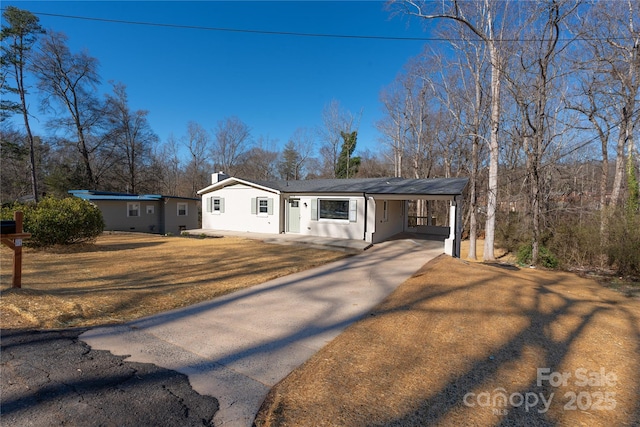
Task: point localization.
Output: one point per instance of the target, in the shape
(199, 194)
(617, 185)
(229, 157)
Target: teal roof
(108, 195)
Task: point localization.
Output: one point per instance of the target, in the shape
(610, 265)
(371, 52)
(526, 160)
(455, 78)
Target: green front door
(294, 215)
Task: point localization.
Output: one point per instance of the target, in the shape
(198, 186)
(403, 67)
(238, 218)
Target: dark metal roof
(399, 186)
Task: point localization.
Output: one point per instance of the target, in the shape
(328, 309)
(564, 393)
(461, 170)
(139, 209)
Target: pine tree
(347, 166)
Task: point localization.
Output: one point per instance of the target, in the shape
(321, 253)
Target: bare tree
(592, 101)
(393, 126)
(471, 69)
(419, 144)
(614, 48)
(261, 161)
(232, 140)
(70, 80)
(410, 117)
(17, 40)
(132, 137)
(481, 18)
(535, 83)
(169, 168)
(296, 154)
(198, 142)
(373, 165)
(335, 120)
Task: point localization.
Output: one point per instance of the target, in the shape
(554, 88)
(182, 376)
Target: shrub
(577, 242)
(545, 257)
(59, 221)
(623, 248)
(511, 231)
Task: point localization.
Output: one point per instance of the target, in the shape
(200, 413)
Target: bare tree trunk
(618, 176)
(494, 152)
(84, 152)
(473, 202)
(33, 172)
(604, 179)
(486, 17)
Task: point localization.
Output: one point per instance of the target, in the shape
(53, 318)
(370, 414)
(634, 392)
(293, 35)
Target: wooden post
(14, 242)
(17, 252)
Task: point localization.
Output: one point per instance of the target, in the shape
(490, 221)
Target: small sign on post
(13, 240)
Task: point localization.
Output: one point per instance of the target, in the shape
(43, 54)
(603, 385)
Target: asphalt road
(50, 378)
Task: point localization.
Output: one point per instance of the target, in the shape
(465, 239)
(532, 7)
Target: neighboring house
(147, 213)
(371, 209)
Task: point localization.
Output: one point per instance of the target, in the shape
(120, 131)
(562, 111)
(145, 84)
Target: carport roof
(372, 186)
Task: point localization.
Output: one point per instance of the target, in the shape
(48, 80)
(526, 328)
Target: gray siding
(174, 223)
(115, 216)
(164, 218)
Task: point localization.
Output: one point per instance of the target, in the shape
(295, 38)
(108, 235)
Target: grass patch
(126, 276)
(458, 327)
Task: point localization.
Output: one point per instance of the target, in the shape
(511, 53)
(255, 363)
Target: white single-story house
(369, 209)
(147, 213)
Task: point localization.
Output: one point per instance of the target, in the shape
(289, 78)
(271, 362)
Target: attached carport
(388, 209)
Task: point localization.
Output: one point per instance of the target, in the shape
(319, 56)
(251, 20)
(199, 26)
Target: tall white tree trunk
(494, 152)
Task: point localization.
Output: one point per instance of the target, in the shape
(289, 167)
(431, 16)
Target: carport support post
(457, 201)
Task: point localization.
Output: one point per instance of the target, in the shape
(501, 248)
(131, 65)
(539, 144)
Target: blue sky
(274, 83)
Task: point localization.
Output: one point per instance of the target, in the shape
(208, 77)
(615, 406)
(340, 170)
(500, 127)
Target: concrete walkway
(238, 346)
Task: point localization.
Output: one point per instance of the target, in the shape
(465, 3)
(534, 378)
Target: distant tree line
(536, 102)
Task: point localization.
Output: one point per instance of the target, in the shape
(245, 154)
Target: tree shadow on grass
(557, 344)
(462, 347)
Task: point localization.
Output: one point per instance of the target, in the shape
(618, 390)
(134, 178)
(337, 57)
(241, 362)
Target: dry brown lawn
(461, 332)
(125, 276)
(443, 349)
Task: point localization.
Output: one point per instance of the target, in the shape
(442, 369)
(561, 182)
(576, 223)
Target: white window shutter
(270, 206)
(314, 209)
(353, 210)
(209, 204)
(254, 206)
(221, 205)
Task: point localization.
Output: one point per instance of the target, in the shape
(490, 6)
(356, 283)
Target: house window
(150, 209)
(133, 209)
(182, 209)
(385, 211)
(333, 209)
(263, 206)
(215, 205)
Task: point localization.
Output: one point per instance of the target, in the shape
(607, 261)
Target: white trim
(259, 208)
(231, 181)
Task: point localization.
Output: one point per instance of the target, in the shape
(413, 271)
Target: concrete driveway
(235, 348)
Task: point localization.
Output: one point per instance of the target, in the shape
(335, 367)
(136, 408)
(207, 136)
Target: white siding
(237, 214)
(394, 223)
(339, 229)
